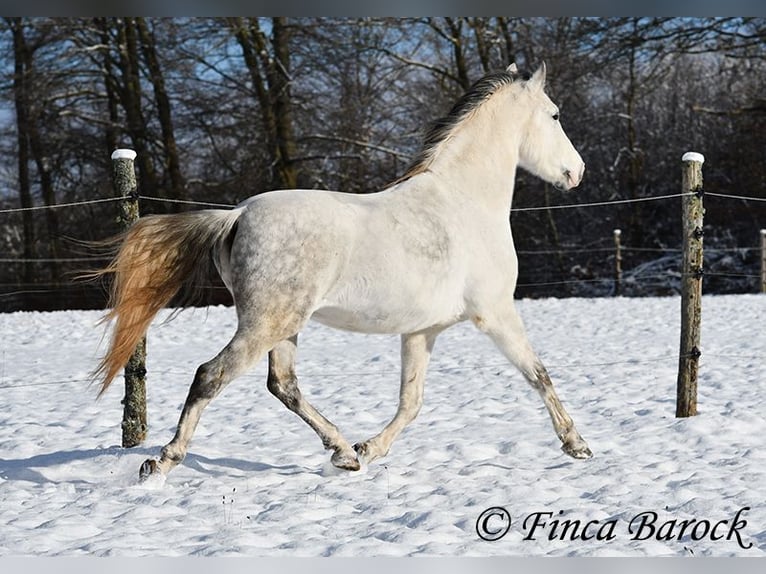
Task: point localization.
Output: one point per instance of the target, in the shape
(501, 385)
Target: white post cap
(693, 156)
(123, 154)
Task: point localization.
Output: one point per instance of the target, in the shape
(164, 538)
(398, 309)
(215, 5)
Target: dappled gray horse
(433, 249)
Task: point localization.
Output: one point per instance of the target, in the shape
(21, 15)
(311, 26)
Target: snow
(124, 154)
(693, 156)
(257, 482)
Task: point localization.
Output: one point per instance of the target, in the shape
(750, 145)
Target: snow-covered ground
(257, 482)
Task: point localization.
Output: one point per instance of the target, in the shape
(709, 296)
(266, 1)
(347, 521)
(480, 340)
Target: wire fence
(513, 210)
(599, 203)
(320, 376)
(233, 205)
(61, 205)
(21, 288)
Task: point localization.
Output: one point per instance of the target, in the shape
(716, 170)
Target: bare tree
(155, 73)
(268, 62)
(29, 115)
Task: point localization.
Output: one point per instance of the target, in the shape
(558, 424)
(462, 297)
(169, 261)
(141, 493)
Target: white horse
(433, 249)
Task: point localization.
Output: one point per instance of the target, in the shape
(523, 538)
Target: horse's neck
(480, 161)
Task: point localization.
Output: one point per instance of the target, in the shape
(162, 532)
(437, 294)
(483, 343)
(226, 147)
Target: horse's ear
(537, 80)
(512, 69)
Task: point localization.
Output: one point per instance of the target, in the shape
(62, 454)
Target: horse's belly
(339, 318)
(405, 316)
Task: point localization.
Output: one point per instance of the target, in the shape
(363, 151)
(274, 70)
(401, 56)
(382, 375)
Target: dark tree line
(219, 109)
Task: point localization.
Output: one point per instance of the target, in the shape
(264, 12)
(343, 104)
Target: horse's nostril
(572, 178)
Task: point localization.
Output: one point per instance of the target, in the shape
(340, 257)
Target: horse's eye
(555, 117)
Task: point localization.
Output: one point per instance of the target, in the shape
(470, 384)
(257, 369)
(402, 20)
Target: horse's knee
(285, 389)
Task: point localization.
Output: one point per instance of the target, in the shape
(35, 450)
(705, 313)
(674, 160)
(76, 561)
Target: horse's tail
(156, 257)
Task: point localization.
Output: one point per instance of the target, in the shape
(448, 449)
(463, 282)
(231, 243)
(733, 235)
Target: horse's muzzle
(572, 179)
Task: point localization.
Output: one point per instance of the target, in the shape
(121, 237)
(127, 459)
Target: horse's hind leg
(508, 333)
(283, 384)
(416, 352)
(210, 380)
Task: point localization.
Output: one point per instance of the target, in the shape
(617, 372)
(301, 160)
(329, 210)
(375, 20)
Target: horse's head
(545, 149)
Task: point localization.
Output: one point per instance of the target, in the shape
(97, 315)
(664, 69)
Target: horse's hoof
(345, 461)
(361, 450)
(368, 452)
(147, 469)
(579, 451)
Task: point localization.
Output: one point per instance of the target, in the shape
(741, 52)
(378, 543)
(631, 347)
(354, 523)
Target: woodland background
(219, 109)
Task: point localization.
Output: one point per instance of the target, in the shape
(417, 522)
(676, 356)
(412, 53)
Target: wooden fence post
(134, 404)
(763, 260)
(617, 263)
(691, 284)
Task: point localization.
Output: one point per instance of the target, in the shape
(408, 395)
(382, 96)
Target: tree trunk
(49, 198)
(111, 133)
(508, 48)
(479, 26)
(130, 97)
(454, 35)
(22, 124)
(269, 67)
(555, 239)
(635, 154)
(279, 86)
(172, 163)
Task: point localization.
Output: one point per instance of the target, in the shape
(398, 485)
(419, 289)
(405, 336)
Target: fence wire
(34, 288)
(319, 376)
(61, 205)
(513, 209)
(601, 203)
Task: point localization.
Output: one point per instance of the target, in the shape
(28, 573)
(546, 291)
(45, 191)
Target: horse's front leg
(283, 384)
(416, 352)
(506, 329)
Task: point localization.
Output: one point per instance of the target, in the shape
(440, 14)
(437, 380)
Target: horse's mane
(441, 129)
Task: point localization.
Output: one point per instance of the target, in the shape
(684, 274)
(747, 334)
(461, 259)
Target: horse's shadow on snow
(33, 468)
(216, 466)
